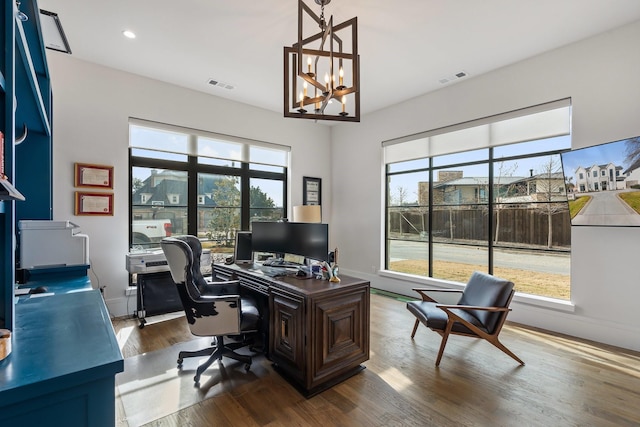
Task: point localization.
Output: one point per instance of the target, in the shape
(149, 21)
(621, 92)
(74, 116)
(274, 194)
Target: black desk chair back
(212, 309)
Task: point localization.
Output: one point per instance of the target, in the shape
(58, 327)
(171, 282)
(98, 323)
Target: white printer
(153, 261)
(52, 244)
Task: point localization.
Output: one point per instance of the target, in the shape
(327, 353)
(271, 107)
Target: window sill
(520, 298)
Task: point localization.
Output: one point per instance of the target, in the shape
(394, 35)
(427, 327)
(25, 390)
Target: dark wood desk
(318, 331)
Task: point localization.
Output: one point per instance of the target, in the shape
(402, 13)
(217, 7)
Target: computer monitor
(243, 252)
(310, 240)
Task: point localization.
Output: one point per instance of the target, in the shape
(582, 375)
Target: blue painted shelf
(63, 364)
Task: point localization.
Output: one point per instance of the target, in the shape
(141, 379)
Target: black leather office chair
(212, 309)
(480, 312)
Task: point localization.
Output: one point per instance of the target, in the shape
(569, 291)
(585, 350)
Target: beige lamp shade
(307, 213)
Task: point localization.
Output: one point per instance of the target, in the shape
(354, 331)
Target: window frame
(417, 148)
(193, 168)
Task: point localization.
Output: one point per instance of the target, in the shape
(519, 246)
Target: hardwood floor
(565, 382)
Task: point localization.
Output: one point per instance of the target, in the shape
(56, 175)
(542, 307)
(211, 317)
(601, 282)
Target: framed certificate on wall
(311, 191)
(97, 176)
(93, 203)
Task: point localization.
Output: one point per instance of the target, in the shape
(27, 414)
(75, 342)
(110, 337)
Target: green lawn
(575, 206)
(529, 282)
(632, 199)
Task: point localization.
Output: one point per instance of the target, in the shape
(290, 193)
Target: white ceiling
(405, 46)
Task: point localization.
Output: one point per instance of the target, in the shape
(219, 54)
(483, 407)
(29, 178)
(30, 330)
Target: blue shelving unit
(25, 102)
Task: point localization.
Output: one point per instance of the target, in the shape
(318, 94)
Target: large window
(190, 182)
(453, 208)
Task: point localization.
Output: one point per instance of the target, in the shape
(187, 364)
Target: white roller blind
(537, 122)
(409, 150)
(535, 126)
(181, 140)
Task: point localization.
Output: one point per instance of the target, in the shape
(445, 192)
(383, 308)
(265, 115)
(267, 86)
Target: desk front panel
(318, 330)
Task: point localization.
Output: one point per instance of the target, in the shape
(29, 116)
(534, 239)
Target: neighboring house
(542, 187)
(163, 195)
(508, 189)
(607, 177)
(632, 175)
(169, 188)
(466, 190)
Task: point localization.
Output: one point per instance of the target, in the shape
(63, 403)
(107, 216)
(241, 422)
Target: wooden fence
(526, 226)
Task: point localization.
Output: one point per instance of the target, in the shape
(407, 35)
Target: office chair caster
(247, 366)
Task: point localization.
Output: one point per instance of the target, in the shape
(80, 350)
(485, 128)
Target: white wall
(92, 105)
(602, 77)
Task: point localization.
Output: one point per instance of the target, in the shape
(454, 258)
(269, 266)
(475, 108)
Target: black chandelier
(311, 89)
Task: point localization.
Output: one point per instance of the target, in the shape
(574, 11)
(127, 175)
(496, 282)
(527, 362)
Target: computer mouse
(39, 290)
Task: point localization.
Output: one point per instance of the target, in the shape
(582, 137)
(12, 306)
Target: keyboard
(278, 262)
(274, 271)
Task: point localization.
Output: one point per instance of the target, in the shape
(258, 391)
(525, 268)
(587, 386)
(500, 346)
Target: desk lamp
(307, 213)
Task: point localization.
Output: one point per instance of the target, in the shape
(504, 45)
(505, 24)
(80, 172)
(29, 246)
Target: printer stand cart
(157, 294)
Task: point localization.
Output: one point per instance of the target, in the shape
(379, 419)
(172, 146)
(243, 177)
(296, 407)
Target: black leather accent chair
(212, 309)
(480, 312)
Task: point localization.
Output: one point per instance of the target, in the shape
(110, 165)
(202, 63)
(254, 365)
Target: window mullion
(192, 196)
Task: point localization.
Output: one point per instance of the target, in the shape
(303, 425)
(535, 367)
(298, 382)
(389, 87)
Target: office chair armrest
(229, 287)
(425, 297)
(207, 299)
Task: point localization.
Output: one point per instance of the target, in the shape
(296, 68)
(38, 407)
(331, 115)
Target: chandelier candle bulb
(305, 88)
(344, 103)
(326, 81)
(341, 77)
(309, 65)
(301, 110)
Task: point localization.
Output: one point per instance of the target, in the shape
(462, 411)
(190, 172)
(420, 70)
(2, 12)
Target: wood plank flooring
(565, 382)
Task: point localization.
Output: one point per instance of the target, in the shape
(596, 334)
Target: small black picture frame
(311, 191)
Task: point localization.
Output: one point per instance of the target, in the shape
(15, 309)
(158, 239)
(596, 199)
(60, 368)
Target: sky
(612, 152)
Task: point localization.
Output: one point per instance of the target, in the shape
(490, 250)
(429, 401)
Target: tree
(502, 191)
(633, 153)
(401, 196)
(226, 215)
(400, 199)
(136, 185)
(548, 186)
(260, 201)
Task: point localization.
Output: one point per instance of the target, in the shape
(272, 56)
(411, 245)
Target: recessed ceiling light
(129, 34)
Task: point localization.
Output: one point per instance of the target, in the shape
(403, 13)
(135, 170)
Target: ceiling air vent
(453, 77)
(218, 83)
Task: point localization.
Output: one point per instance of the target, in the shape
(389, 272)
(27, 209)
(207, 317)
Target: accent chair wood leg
(445, 336)
(501, 346)
(415, 328)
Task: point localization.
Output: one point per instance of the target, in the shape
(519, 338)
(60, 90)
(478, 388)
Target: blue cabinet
(62, 369)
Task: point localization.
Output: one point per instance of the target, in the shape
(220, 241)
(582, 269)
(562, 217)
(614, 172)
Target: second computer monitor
(310, 240)
(243, 252)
